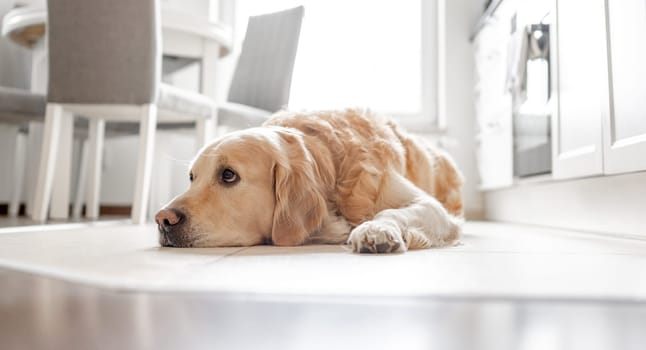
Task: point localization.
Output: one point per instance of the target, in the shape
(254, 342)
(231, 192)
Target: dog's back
(359, 140)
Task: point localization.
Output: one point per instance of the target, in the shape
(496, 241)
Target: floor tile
(492, 261)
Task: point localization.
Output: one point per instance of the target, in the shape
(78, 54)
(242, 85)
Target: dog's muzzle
(171, 226)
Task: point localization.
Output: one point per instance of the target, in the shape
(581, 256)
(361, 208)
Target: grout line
(195, 269)
(221, 257)
(232, 253)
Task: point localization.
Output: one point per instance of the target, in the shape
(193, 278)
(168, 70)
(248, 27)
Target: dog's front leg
(412, 220)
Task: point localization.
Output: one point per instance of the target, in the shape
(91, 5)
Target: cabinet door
(493, 100)
(625, 126)
(495, 157)
(580, 81)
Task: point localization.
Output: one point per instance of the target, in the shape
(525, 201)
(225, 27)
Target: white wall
(603, 204)
(461, 16)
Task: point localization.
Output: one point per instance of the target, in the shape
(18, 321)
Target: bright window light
(354, 53)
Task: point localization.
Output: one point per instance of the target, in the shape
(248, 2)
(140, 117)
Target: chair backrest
(104, 52)
(263, 75)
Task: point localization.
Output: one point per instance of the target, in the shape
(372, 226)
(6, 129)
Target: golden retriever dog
(328, 177)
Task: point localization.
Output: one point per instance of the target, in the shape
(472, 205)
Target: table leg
(34, 145)
(95, 161)
(81, 184)
(60, 204)
(39, 66)
(147, 130)
(38, 84)
(18, 173)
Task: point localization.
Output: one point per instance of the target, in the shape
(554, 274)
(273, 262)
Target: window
(352, 53)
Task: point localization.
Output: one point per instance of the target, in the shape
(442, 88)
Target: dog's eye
(191, 177)
(228, 176)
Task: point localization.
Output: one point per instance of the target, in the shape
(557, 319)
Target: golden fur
(323, 177)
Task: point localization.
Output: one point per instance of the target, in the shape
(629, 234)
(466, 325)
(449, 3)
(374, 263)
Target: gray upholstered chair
(18, 107)
(105, 64)
(263, 75)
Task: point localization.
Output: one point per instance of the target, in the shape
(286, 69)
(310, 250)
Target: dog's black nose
(167, 219)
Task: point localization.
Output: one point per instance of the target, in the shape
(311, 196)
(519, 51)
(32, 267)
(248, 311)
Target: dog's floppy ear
(300, 203)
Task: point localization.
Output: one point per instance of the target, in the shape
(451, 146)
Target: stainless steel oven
(530, 85)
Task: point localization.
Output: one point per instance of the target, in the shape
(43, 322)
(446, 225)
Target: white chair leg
(81, 188)
(204, 129)
(161, 183)
(60, 202)
(34, 147)
(144, 163)
(51, 136)
(18, 173)
(210, 61)
(94, 162)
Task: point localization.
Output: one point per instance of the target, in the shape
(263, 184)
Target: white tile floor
(494, 261)
(505, 288)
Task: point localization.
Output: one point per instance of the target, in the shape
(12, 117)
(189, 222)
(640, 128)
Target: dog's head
(250, 187)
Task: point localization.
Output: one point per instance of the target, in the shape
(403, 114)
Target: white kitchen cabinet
(625, 127)
(493, 102)
(598, 99)
(495, 157)
(580, 88)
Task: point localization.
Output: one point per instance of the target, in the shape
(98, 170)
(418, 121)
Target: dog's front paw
(377, 237)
